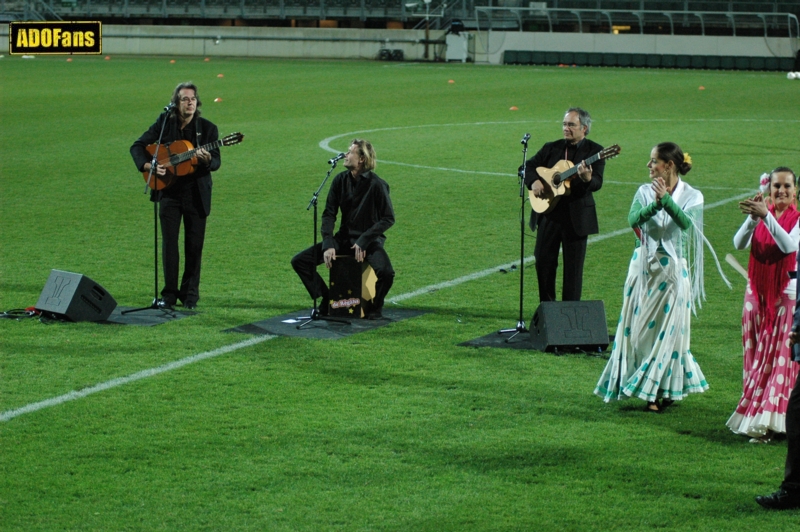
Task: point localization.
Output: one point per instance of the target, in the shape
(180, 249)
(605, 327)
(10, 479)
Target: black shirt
(198, 132)
(367, 210)
(576, 208)
(552, 152)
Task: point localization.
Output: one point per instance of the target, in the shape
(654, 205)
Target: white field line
(113, 383)
(489, 271)
(325, 143)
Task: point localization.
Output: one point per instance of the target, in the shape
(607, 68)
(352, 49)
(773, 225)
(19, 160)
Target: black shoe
(325, 307)
(780, 500)
(375, 314)
(190, 305)
(166, 305)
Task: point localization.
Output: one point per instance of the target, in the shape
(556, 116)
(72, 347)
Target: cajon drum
(352, 287)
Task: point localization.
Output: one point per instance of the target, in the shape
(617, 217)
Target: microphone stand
(520, 328)
(315, 313)
(158, 303)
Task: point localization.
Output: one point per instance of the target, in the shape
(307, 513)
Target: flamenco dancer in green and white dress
(650, 358)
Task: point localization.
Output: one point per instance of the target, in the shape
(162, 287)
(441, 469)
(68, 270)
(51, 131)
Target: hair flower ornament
(763, 183)
(686, 158)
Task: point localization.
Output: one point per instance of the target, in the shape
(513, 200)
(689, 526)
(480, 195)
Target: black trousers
(188, 209)
(791, 479)
(306, 268)
(551, 237)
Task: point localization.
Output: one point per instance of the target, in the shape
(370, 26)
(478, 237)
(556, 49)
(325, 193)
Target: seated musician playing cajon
(367, 213)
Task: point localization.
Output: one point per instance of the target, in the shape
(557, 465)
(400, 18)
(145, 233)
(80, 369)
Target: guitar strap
(198, 132)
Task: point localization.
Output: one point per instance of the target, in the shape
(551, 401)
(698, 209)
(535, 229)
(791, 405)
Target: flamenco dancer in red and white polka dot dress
(771, 230)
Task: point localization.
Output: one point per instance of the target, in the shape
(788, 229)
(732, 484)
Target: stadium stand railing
(11, 10)
(555, 15)
(764, 18)
(638, 21)
(706, 62)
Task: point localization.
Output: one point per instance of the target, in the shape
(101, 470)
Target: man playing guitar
(573, 217)
(187, 198)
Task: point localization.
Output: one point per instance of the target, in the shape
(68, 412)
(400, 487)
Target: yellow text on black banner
(55, 38)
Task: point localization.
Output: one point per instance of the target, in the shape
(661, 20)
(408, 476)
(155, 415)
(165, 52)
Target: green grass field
(398, 428)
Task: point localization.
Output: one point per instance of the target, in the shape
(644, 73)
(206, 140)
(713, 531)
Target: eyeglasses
(187, 99)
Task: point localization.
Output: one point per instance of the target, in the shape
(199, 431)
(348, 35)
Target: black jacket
(367, 210)
(205, 134)
(577, 208)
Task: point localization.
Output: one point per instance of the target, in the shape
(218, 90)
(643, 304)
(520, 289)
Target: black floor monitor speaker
(75, 297)
(569, 326)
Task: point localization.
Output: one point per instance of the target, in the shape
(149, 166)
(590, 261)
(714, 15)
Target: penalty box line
(114, 383)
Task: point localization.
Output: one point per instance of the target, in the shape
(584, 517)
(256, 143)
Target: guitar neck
(189, 154)
(574, 170)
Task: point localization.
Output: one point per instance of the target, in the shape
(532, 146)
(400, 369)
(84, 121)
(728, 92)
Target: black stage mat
(520, 341)
(147, 317)
(523, 341)
(286, 325)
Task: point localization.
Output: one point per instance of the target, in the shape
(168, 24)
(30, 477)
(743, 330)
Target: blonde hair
(367, 152)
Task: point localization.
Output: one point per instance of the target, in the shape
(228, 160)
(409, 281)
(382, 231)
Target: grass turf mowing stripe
(113, 383)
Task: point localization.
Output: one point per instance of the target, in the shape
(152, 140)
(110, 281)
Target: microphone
(337, 158)
(526, 138)
(169, 107)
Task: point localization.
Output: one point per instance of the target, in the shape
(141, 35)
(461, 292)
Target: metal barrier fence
(608, 20)
(401, 10)
(705, 62)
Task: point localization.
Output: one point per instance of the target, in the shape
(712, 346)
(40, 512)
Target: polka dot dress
(650, 356)
(768, 372)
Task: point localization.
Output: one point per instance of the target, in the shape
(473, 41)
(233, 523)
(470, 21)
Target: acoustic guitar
(557, 179)
(180, 159)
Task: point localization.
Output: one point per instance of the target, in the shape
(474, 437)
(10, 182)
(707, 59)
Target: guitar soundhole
(557, 180)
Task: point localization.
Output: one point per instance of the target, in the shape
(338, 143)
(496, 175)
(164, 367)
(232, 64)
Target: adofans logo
(55, 38)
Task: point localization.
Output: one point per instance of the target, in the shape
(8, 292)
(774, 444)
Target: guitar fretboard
(179, 158)
(574, 170)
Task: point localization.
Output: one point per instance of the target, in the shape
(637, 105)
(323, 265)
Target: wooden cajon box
(352, 287)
